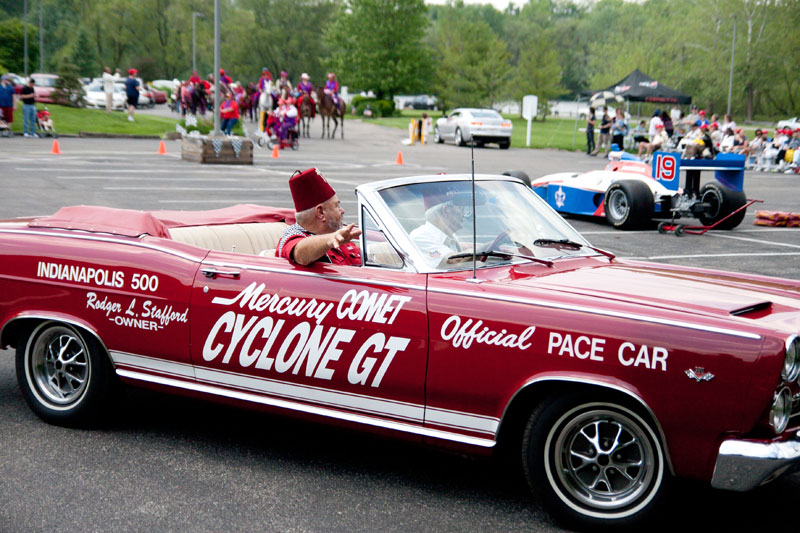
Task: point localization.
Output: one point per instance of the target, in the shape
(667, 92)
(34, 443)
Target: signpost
(530, 105)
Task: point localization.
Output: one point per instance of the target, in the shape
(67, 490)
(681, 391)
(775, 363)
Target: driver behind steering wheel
(436, 238)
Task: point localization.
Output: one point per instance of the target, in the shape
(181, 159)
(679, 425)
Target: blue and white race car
(630, 194)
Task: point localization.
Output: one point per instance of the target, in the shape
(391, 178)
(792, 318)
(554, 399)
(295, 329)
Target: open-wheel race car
(630, 194)
(605, 377)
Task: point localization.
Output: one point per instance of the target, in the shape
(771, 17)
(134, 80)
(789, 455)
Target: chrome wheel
(59, 367)
(436, 137)
(602, 459)
(618, 205)
(459, 139)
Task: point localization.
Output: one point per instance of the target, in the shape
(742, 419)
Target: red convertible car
(479, 320)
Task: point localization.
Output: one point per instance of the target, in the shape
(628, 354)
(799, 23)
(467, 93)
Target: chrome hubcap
(458, 137)
(618, 205)
(60, 366)
(603, 459)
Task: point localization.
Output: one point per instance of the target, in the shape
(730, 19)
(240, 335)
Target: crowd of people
(274, 104)
(695, 136)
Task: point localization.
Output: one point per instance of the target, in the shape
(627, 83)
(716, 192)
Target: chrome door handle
(213, 273)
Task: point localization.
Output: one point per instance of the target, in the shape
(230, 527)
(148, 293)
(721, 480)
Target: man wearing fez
(318, 234)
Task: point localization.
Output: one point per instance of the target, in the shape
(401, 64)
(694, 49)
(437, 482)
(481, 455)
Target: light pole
(730, 79)
(41, 40)
(195, 14)
(217, 95)
(25, 19)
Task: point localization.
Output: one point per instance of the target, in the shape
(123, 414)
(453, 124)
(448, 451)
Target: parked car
(483, 125)
(791, 123)
(156, 95)
(44, 84)
(96, 96)
(18, 81)
(607, 377)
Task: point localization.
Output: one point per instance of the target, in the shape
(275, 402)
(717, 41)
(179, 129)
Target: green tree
(68, 88)
(473, 62)
(538, 71)
(12, 46)
(84, 56)
(377, 45)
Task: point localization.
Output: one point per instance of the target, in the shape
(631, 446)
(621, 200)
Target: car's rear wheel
(504, 145)
(628, 204)
(722, 201)
(594, 463)
(436, 137)
(459, 138)
(64, 375)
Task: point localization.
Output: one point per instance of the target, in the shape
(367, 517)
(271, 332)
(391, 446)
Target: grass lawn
(71, 120)
(551, 133)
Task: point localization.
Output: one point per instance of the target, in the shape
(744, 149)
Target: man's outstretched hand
(344, 235)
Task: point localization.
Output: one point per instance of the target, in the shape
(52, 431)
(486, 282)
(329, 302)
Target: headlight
(791, 364)
(781, 410)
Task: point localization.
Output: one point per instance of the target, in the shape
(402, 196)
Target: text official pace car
(608, 377)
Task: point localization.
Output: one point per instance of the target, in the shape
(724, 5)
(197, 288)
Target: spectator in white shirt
(108, 87)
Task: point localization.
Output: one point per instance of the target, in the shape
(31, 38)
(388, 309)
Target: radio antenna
(474, 215)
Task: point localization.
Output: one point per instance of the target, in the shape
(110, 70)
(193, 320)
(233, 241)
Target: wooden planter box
(201, 150)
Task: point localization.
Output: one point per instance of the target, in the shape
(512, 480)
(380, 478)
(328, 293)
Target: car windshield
(513, 224)
(487, 113)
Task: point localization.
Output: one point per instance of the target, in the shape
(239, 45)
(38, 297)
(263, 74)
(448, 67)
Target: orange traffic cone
(55, 150)
(399, 160)
(275, 153)
(162, 148)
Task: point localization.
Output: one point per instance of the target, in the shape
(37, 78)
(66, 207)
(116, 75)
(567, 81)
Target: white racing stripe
(368, 405)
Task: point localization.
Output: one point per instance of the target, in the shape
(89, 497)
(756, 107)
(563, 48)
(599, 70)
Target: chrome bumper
(744, 465)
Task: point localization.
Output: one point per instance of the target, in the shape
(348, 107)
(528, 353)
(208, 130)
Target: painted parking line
(759, 241)
(248, 189)
(695, 256)
(276, 203)
(145, 178)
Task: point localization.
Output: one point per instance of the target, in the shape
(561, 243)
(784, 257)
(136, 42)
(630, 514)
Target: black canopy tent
(639, 87)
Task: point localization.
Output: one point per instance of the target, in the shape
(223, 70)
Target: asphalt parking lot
(173, 464)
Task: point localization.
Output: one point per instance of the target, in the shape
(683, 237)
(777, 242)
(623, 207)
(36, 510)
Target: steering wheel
(501, 238)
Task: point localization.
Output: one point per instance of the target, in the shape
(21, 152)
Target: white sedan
(96, 96)
(482, 125)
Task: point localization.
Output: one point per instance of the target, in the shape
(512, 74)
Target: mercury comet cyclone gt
(506, 330)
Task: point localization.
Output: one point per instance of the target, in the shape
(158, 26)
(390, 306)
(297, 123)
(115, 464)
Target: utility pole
(195, 14)
(730, 79)
(41, 39)
(217, 92)
(25, 23)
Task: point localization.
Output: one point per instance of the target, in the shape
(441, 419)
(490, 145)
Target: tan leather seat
(239, 238)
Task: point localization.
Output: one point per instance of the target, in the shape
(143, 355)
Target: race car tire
(594, 462)
(65, 375)
(436, 137)
(628, 205)
(459, 139)
(722, 202)
(520, 175)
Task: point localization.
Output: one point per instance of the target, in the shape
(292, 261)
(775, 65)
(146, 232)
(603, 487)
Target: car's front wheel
(628, 204)
(594, 463)
(65, 376)
(436, 137)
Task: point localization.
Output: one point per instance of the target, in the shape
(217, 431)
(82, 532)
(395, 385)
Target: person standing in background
(132, 92)
(604, 139)
(108, 87)
(7, 95)
(619, 130)
(28, 109)
(590, 120)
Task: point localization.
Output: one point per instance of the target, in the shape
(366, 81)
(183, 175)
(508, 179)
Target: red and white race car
(607, 377)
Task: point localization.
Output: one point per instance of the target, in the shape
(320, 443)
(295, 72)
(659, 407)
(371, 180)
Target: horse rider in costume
(284, 85)
(332, 88)
(306, 90)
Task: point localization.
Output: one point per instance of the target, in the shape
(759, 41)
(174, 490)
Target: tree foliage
(464, 53)
(377, 44)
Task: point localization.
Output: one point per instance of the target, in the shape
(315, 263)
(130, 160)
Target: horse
(306, 113)
(328, 110)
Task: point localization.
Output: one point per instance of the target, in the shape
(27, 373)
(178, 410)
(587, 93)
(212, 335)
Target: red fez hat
(309, 189)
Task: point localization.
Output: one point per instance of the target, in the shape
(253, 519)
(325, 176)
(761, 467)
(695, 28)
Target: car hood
(686, 290)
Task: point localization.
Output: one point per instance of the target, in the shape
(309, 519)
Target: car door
(345, 342)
